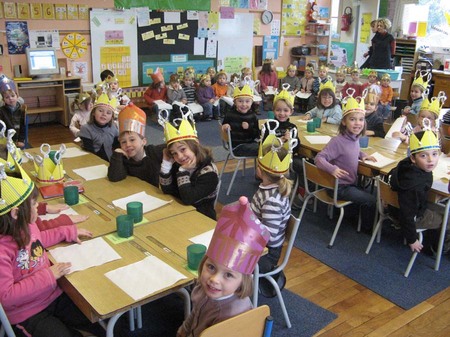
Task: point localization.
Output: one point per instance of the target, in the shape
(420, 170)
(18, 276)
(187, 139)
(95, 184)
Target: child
(243, 123)
(114, 90)
(224, 281)
(157, 91)
(247, 78)
(355, 84)
(271, 201)
(291, 79)
(99, 88)
(372, 81)
(418, 87)
(207, 99)
(99, 135)
(187, 169)
(84, 105)
(412, 179)
(340, 159)
(34, 303)
(306, 85)
(135, 157)
(220, 89)
(175, 92)
(340, 82)
(189, 88)
(211, 71)
(321, 79)
(384, 107)
(374, 122)
(327, 108)
(267, 78)
(13, 112)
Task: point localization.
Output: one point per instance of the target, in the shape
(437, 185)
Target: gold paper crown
(436, 103)
(373, 73)
(13, 154)
(132, 118)
(268, 61)
(370, 95)
(106, 101)
(14, 189)
(350, 104)
(291, 67)
(48, 170)
(327, 85)
(284, 95)
(341, 70)
(205, 77)
(322, 67)
(244, 91)
(182, 129)
(271, 162)
(429, 140)
(386, 76)
(311, 69)
(421, 79)
(82, 97)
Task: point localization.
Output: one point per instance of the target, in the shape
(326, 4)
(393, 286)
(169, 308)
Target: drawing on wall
(17, 37)
(44, 38)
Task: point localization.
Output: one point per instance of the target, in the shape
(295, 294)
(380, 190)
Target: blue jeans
(384, 110)
(361, 198)
(210, 110)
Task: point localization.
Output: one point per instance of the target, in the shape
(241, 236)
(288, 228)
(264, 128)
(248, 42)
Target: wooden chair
(324, 181)
(386, 196)
(445, 144)
(6, 326)
(291, 233)
(227, 145)
(248, 324)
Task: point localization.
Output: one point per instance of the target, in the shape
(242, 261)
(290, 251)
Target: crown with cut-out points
(285, 95)
(429, 140)
(180, 128)
(351, 104)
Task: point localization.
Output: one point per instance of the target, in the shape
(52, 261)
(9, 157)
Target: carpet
(381, 270)
(162, 318)
(243, 185)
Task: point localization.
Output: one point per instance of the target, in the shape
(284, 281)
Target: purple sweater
(204, 94)
(341, 152)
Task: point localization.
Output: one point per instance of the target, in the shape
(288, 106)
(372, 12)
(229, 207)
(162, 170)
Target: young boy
(321, 79)
(292, 79)
(355, 84)
(189, 88)
(374, 122)
(135, 157)
(220, 89)
(13, 112)
(340, 82)
(384, 107)
(412, 179)
(372, 81)
(418, 87)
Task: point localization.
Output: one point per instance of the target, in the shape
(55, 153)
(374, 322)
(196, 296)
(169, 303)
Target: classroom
(344, 264)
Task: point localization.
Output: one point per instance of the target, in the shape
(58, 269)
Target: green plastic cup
(125, 225)
(71, 196)
(195, 253)
(311, 127)
(134, 209)
(317, 122)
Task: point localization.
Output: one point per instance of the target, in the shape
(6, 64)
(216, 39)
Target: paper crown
(7, 84)
(15, 188)
(205, 77)
(386, 76)
(351, 104)
(239, 238)
(12, 154)
(269, 160)
(322, 67)
(291, 67)
(429, 139)
(310, 69)
(106, 101)
(111, 79)
(131, 118)
(285, 95)
(82, 97)
(244, 91)
(371, 95)
(268, 61)
(180, 128)
(421, 79)
(341, 70)
(48, 165)
(355, 68)
(327, 85)
(373, 73)
(157, 76)
(436, 103)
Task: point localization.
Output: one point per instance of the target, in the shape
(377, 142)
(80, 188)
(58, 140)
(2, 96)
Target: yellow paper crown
(271, 162)
(429, 140)
(436, 103)
(13, 154)
(105, 101)
(82, 97)
(421, 79)
(351, 104)
(386, 76)
(322, 67)
(310, 69)
(268, 61)
(284, 95)
(371, 95)
(180, 129)
(244, 91)
(48, 170)
(291, 67)
(327, 85)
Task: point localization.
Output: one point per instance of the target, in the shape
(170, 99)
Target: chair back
(249, 324)
(6, 326)
(225, 136)
(291, 233)
(386, 195)
(445, 144)
(445, 129)
(317, 176)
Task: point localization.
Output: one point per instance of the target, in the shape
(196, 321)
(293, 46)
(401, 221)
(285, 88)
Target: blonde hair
(386, 23)
(284, 184)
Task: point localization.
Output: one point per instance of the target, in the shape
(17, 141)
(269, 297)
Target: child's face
(10, 98)
(415, 93)
(243, 104)
(291, 72)
(308, 74)
(372, 79)
(132, 144)
(222, 80)
(355, 77)
(212, 72)
(340, 78)
(426, 114)
(187, 82)
(247, 73)
(426, 160)
(175, 85)
(114, 86)
(103, 115)
(322, 73)
(282, 111)
(385, 82)
(370, 107)
(219, 281)
(207, 82)
(326, 100)
(183, 155)
(354, 122)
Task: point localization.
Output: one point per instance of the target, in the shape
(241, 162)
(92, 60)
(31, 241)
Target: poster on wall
(270, 47)
(17, 37)
(342, 54)
(44, 38)
(293, 16)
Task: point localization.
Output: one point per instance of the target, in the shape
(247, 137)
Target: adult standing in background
(383, 44)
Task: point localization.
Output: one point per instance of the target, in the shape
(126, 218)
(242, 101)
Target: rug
(162, 318)
(382, 270)
(243, 185)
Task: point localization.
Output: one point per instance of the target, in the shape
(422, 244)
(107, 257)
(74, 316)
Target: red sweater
(151, 95)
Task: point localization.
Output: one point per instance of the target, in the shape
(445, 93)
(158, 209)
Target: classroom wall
(82, 26)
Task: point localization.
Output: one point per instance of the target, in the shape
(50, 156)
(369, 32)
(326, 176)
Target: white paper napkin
(93, 172)
(149, 203)
(204, 238)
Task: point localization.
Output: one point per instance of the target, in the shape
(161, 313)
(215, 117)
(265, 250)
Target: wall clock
(266, 17)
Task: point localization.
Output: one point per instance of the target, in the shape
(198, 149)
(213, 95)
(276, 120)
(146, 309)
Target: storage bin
(395, 75)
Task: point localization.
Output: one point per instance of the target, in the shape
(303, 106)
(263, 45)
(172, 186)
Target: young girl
(340, 82)
(99, 135)
(13, 112)
(271, 201)
(187, 169)
(224, 281)
(175, 92)
(207, 99)
(418, 87)
(306, 85)
(267, 78)
(211, 71)
(328, 107)
(84, 104)
(157, 91)
(135, 157)
(34, 303)
(372, 81)
(292, 79)
(322, 78)
(340, 159)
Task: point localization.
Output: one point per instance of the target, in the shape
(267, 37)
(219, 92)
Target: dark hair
(105, 73)
(326, 91)
(266, 68)
(202, 154)
(18, 228)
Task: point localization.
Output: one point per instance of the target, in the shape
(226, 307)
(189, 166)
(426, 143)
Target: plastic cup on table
(71, 196)
(317, 122)
(311, 126)
(195, 253)
(51, 155)
(125, 225)
(134, 209)
(363, 142)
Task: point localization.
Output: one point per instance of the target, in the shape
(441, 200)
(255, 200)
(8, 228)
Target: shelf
(33, 111)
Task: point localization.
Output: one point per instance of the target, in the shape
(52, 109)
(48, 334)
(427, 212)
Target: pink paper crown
(239, 238)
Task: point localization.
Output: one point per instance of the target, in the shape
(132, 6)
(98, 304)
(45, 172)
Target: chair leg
(376, 230)
(223, 167)
(131, 319)
(280, 298)
(234, 176)
(358, 229)
(187, 301)
(413, 258)
(336, 229)
(243, 171)
(294, 192)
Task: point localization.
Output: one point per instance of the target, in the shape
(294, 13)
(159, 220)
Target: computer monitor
(42, 62)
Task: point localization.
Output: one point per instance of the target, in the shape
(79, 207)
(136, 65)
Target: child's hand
(370, 133)
(119, 150)
(306, 117)
(406, 110)
(324, 119)
(184, 101)
(60, 269)
(225, 127)
(167, 156)
(78, 218)
(286, 136)
(416, 246)
(83, 233)
(181, 332)
(212, 100)
(339, 173)
(245, 125)
(20, 144)
(54, 209)
(302, 90)
(370, 158)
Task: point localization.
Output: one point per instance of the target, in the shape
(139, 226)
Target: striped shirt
(273, 210)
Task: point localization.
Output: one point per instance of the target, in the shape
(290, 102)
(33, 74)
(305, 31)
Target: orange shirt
(219, 90)
(386, 94)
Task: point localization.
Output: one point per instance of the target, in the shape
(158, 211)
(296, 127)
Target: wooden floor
(360, 311)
